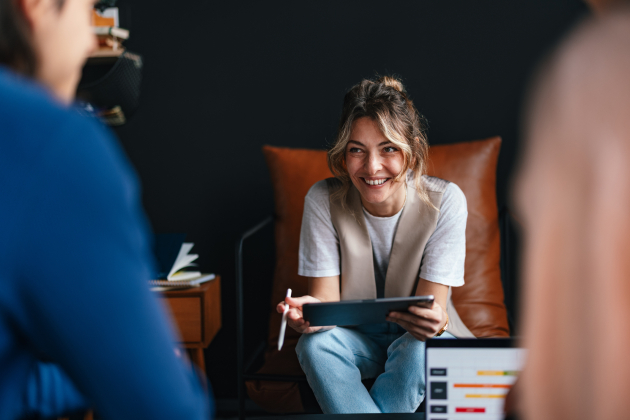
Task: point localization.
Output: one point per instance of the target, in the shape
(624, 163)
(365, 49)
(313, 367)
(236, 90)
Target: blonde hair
(385, 102)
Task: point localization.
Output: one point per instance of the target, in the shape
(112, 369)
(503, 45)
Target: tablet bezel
(357, 312)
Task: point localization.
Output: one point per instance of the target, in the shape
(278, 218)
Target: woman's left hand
(422, 323)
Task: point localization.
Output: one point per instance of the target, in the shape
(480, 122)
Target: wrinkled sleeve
(319, 242)
(445, 253)
(51, 393)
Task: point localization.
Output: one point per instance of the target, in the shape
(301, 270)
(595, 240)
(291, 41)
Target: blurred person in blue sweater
(79, 327)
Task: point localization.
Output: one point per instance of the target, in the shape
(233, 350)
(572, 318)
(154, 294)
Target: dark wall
(221, 79)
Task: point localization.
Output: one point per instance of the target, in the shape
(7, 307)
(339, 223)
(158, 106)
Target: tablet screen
(357, 312)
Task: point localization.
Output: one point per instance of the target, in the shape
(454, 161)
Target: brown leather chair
(280, 385)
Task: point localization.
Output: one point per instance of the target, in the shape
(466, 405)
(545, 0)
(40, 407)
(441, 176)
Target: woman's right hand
(294, 316)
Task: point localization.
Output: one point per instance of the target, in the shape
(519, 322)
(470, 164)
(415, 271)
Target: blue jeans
(335, 362)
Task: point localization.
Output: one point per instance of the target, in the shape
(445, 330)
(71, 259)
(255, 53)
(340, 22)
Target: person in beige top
(380, 228)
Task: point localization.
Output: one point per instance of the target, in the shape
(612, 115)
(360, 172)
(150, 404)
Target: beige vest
(416, 225)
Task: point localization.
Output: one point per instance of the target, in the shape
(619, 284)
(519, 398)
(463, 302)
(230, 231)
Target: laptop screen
(469, 378)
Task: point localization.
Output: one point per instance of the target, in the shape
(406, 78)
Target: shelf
(107, 52)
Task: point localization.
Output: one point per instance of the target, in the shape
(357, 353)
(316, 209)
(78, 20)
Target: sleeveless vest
(415, 226)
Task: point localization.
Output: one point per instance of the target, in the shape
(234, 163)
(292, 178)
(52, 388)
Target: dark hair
(16, 44)
(385, 102)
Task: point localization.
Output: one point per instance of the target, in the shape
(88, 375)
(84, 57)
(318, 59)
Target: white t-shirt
(444, 254)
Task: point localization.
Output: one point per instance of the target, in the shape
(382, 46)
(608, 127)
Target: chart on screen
(470, 383)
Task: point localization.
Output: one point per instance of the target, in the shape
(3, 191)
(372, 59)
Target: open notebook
(157, 285)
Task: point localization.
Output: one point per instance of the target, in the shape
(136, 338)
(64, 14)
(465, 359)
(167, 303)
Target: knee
(411, 348)
(316, 343)
(308, 344)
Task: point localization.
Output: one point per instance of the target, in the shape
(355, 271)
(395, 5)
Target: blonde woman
(380, 228)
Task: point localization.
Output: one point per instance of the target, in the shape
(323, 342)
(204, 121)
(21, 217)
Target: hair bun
(392, 82)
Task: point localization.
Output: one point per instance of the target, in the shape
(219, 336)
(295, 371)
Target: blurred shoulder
(22, 99)
(34, 124)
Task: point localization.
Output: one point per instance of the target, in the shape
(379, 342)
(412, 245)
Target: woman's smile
(375, 182)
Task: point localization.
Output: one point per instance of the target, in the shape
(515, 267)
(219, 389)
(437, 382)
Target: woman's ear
(34, 11)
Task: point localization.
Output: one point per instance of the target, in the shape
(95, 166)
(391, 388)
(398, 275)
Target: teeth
(375, 181)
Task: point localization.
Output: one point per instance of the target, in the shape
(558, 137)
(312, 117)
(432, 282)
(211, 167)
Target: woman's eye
(390, 149)
(354, 150)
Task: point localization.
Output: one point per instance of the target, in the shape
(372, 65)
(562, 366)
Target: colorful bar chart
(470, 383)
(470, 410)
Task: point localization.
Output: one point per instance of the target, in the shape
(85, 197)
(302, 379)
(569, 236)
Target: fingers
(422, 323)
(300, 326)
(280, 307)
(417, 329)
(419, 333)
(294, 314)
(299, 301)
(425, 321)
(295, 319)
(295, 302)
(434, 314)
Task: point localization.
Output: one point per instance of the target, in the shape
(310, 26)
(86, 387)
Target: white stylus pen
(283, 324)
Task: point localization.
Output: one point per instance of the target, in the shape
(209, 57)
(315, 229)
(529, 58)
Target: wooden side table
(197, 313)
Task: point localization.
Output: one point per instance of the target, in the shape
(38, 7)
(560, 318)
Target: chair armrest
(239, 312)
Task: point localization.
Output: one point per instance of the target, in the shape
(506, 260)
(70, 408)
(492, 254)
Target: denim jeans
(335, 362)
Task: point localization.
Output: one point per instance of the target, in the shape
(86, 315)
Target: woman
(78, 326)
(380, 228)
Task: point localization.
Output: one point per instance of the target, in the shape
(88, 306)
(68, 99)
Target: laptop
(469, 378)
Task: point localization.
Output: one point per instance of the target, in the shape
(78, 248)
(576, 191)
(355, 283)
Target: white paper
(182, 261)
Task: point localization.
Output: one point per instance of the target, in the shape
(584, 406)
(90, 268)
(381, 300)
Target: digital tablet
(355, 312)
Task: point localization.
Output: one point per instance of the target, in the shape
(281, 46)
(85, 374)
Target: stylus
(283, 324)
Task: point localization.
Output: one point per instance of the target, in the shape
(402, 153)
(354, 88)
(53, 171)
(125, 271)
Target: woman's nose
(374, 163)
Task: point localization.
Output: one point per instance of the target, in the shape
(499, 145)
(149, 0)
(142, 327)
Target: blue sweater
(78, 324)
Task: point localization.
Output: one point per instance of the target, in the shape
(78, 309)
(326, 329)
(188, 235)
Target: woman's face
(62, 39)
(373, 162)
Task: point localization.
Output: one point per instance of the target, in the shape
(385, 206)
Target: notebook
(160, 285)
(469, 378)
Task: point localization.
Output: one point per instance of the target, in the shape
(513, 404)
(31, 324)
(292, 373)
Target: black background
(223, 78)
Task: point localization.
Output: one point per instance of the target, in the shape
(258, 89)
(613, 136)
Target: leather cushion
(473, 166)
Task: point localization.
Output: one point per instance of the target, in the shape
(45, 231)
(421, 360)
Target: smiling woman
(380, 228)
